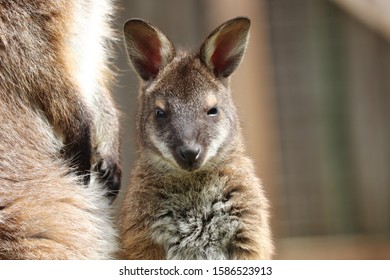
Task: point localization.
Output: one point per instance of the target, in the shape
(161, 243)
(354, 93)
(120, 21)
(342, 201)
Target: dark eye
(213, 111)
(160, 114)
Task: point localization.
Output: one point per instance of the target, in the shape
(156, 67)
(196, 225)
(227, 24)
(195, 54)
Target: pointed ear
(148, 48)
(223, 49)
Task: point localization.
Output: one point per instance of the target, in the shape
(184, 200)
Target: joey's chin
(192, 167)
(168, 164)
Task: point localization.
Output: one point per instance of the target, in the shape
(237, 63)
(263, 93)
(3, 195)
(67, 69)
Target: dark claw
(109, 173)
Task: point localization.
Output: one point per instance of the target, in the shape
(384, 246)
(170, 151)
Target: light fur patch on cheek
(163, 149)
(217, 142)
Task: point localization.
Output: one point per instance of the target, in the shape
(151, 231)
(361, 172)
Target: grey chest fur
(196, 222)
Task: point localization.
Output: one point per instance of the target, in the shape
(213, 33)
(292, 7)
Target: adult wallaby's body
(57, 122)
(193, 194)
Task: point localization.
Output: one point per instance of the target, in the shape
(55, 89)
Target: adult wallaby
(57, 122)
(193, 193)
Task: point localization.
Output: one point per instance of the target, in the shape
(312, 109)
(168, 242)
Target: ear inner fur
(149, 50)
(222, 50)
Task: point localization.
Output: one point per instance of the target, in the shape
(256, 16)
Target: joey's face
(188, 118)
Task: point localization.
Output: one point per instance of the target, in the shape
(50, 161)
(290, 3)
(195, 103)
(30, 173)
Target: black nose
(189, 154)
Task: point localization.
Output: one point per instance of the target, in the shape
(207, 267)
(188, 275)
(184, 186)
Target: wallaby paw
(109, 173)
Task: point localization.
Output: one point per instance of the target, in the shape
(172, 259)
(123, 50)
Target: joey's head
(186, 118)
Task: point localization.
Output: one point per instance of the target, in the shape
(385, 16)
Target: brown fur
(51, 130)
(211, 206)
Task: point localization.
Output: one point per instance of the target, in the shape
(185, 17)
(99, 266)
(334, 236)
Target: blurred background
(313, 94)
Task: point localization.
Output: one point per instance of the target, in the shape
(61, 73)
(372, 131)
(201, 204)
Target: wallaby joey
(193, 193)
